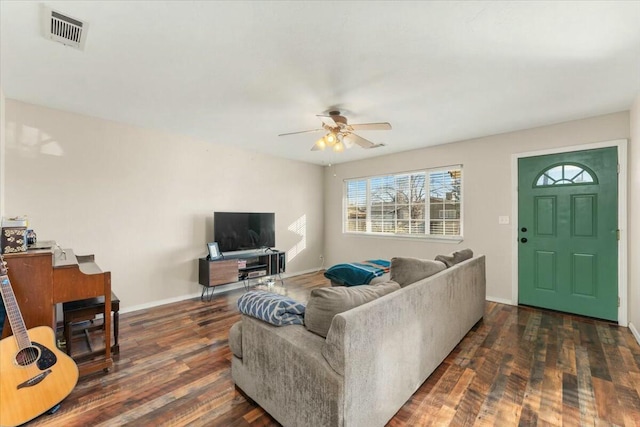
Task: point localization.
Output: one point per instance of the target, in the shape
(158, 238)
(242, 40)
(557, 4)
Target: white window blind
(420, 203)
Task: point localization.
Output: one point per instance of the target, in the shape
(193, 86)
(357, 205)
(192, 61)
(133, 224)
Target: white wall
(2, 151)
(142, 201)
(634, 216)
(487, 194)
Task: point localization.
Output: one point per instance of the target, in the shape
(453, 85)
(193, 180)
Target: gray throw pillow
(324, 303)
(406, 271)
(455, 257)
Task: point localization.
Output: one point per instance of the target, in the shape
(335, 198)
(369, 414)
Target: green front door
(567, 232)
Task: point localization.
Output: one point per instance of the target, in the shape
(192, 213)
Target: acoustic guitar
(34, 375)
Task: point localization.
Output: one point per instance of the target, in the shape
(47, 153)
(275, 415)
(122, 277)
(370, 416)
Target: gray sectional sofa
(374, 356)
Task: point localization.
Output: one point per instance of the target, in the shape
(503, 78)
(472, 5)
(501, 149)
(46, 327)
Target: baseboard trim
(219, 290)
(158, 303)
(635, 332)
(499, 300)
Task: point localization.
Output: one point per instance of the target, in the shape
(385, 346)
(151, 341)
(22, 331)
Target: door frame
(621, 144)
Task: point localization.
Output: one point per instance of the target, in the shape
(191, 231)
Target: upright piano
(42, 278)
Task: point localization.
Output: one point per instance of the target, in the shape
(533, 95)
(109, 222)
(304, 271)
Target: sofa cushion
(235, 339)
(375, 281)
(455, 257)
(380, 279)
(324, 303)
(406, 271)
(273, 308)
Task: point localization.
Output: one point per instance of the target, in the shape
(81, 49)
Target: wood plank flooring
(518, 366)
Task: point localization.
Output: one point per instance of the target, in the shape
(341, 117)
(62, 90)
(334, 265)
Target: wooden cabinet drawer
(217, 272)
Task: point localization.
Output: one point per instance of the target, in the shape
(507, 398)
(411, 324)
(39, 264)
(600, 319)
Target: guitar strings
(17, 323)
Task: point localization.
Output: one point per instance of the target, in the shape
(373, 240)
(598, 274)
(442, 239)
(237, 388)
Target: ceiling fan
(340, 133)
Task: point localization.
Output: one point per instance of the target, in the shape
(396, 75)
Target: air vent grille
(63, 28)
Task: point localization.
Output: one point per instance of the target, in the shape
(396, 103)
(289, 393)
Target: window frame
(427, 206)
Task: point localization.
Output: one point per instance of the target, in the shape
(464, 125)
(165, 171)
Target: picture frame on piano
(214, 251)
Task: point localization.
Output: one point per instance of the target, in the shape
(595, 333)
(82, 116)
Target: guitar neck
(13, 311)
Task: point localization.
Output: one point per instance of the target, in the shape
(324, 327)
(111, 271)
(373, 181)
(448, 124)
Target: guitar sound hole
(27, 356)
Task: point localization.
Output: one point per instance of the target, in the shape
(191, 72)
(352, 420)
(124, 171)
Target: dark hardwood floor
(518, 366)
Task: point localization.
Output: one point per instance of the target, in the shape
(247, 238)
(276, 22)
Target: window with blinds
(356, 211)
(420, 203)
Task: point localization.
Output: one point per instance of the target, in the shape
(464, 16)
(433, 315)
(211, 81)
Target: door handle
(524, 240)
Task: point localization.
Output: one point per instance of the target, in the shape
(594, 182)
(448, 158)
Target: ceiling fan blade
(371, 126)
(355, 139)
(328, 120)
(315, 147)
(302, 131)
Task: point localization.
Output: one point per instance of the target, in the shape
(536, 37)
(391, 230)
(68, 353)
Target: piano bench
(86, 310)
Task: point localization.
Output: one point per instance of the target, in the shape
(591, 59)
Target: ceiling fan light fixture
(331, 139)
(339, 135)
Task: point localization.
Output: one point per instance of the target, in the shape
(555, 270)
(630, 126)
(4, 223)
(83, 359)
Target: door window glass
(565, 174)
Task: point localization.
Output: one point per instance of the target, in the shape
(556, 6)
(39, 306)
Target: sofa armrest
(283, 370)
(235, 339)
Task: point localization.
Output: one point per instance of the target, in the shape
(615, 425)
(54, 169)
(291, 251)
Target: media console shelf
(236, 267)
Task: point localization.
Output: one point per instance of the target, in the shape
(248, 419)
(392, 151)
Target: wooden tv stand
(236, 267)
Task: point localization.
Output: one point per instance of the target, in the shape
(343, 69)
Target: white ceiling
(243, 72)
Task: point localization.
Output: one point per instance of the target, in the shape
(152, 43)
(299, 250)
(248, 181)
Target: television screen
(238, 231)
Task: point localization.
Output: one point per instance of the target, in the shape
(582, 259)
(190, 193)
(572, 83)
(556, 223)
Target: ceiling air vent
(63, 28)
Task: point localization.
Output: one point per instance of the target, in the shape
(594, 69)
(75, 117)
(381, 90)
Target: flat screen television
(239, 231)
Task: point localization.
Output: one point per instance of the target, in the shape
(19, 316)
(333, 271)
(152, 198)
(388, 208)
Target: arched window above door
(565, 174)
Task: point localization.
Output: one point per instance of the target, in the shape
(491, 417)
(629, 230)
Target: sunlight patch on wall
(299, 226)
(30, 141)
